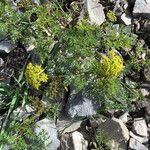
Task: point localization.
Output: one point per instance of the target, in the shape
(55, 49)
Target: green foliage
(78, 62)
(74, 54)
(56, 88)
(74, 61)
(103, 140)
(119, 37)
(37, 25)
(137, 58)
(25, 3)
(15, 95)
(50, 110)
(78, 54)
(22, 137)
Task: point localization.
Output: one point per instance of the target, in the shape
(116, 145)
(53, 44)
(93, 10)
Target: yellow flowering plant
(35, 76)
(111, 65)
(111, 16)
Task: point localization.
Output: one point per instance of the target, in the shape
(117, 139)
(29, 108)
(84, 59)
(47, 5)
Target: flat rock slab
(139, 138)
(117, 131)
(6, 46)
(135, 145)
(95, 11)
(79, 106)
(52, 142)
(142, 8)
(139, 127)
(78, 141)
(73, 141)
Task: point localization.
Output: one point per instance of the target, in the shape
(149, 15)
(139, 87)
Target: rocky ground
(77, 125)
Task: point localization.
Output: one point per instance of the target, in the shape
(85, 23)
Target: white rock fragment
(1, 62)
(6, 147)
(78, 141)
(139, 138)
(22, 112)
(6, 46)
(139, 127)
(145, 92)
(126, 19)
(95, 12)
(30, 48)
(142, 8)
(135, 145)
(124, 117)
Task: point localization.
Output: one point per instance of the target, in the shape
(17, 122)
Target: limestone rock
(66, 142)
(79, 105)
(1, 62)
(142, 8)
(6, 46)
(73, 127)
(52, 142)
(78, 141)
(22, 112)
(135, 145)
(95, 12)
(139, 138)
(126, 19)
(117, 131)
(6, 147)
(73, 141)
(124, 117)
(139, 127)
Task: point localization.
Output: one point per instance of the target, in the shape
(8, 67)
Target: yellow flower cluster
(35, 76)
(111, 65)
(111, 16)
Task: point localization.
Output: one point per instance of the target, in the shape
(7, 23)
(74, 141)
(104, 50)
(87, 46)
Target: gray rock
(139, 138)
(135, 145)
(37, 2)
(95, 12)
(124, 117)
(139, 127)
(147, 74)
(31, 46)
(6, 147)
(78, 105)
(118, 8)
(66, 142)
(1, 62)
(117, 131)
(142, 8)
(148, 127)
(73, 127)
(6, 46)
(52, 142)
(62, 125)
(73, 141)
(22, 112)
(126, 19)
